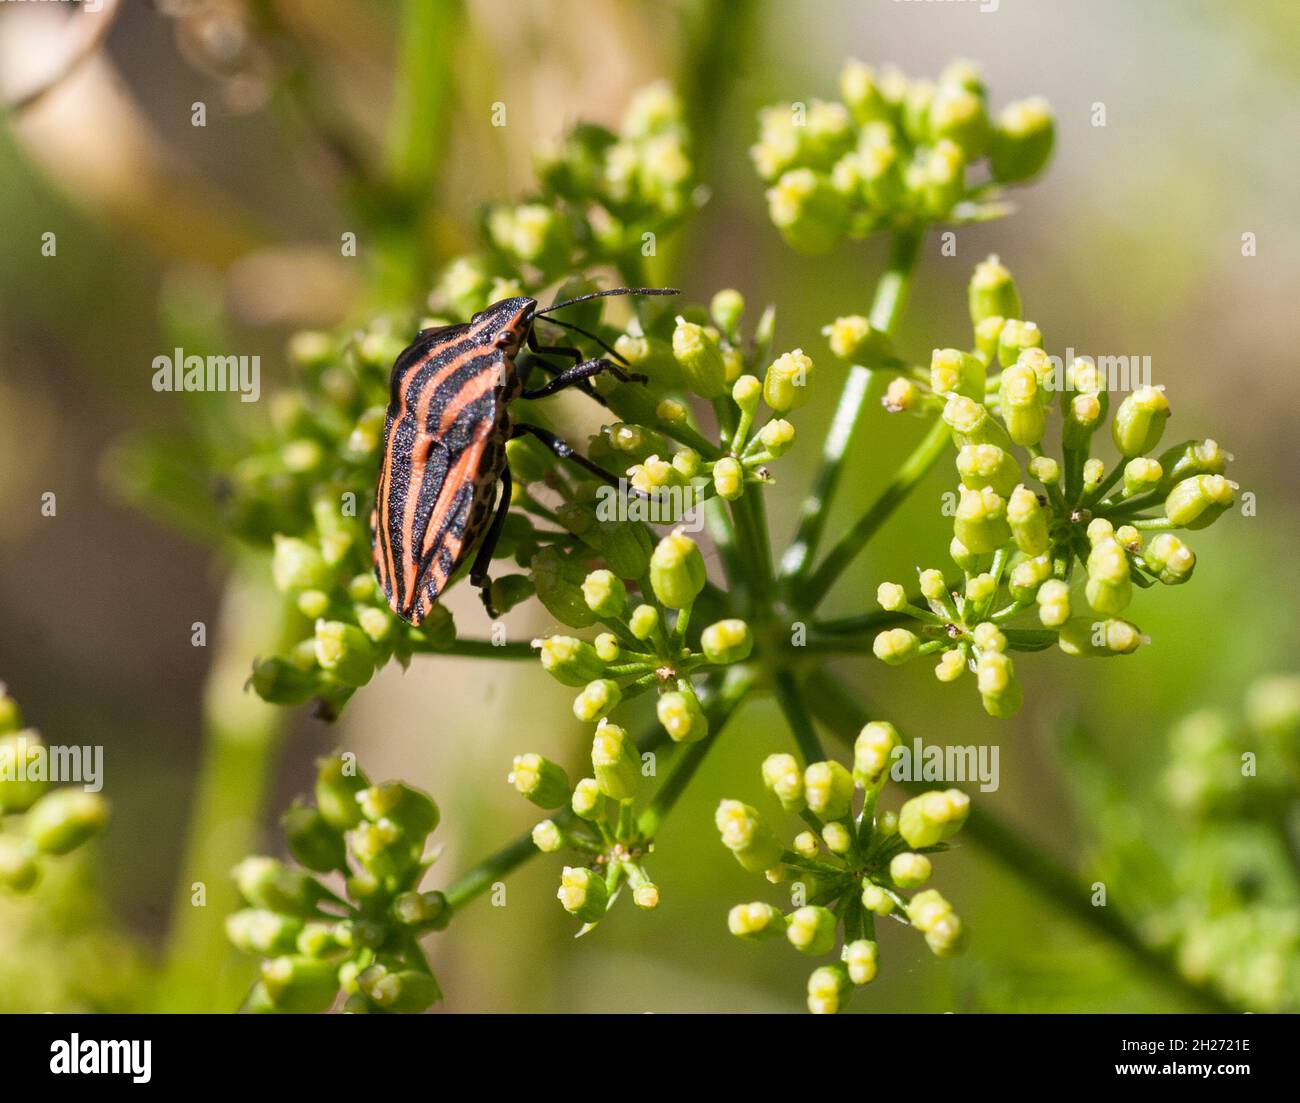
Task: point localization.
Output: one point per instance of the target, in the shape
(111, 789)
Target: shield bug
(445, 436)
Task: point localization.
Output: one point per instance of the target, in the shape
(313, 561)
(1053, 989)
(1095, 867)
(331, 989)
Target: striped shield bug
(445, 436)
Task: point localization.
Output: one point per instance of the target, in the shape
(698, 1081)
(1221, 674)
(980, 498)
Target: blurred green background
(1130, 244)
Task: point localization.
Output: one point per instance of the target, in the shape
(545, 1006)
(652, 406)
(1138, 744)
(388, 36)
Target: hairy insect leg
(478, 573)
(579, 373)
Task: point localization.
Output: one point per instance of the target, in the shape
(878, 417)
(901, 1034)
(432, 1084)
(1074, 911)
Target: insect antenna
(591, 337)
(607, 292)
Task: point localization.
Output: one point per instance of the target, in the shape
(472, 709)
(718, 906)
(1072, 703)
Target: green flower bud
(862, 92)
(1191, 457)
(982, 465)
(981, 520)
(829, 988)
(1021, 140)
(838, 838)
(987, 332)
(901, 394)
(529, 460)
(726, 309)
(992, 292)
(828, 788)
(597, 700)
(532, 233)
(296, 565)
(909, 870)
(1053, 603)
(1028, 521)
(19, 868)
(953, 371)
(421, 909)
(729, 478)
(1199, 501)
(784, 778)
(583, 893)
(540, 780)
(686, 461)
(727, 641)
(265, 933)
(1109, 588)
(323, 939)
(747, 837)
(944, 178)
(876, 900)
(21, 777)
(958, 115)
(300, 985)
(411, 810)
(63, 819)
(312, 839)
(1084, 637)
(1140, 421)
(274, 886)
(547, 837)
(927, 908)
(643, 621)
(895, 646)
(988, 637)
(808, 210)
(559, 587)
(755, 922)
(1169, 559)
(971, 423)
(855, 339)
(283, 683)
(1140, 475)
(891, 596)
(1000, 692)
(746, 392)
(615, 762)
(966, 559)
(980, 588)
(587, 799)
(700, 358)
(1015, 336)
(860, 959)
(873, 752)
(1028, 575)
(400, 991)
(571, 661)
(677, 573)
(344, 651)
(806, 843)
(777, 436)
(607, 647)
(951, 665)
(933, 817)
(811, 930)
(1022, 407)
(338, 781)
(1046, 470)
(682, 717)
(787, 383)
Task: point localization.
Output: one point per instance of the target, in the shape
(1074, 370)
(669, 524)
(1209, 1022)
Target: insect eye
(505, 340)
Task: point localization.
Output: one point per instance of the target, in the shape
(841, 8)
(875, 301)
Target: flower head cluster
(37, 822)
(1026, 523)
(603, 198)
(597, 822)
(895, 153)
(316, 943)
(853, 865)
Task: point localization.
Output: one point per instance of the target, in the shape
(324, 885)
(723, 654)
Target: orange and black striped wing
(442, 458)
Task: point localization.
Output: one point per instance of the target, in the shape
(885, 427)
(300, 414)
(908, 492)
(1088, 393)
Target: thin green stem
(796, 714)
(1037, 870)
(886, 308)
(912, 471)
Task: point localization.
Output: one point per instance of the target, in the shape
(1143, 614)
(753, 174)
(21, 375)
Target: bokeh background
(1130, 244)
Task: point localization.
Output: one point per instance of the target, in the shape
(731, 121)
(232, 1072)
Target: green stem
(796, 714)
(1038, 871)
(241, 744)
(904, 482)
(481, 649)
(886, 309)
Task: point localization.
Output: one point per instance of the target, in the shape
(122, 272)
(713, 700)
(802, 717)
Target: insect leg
(580, 372)
(478, 573)
(564, 450)
(557, 350)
